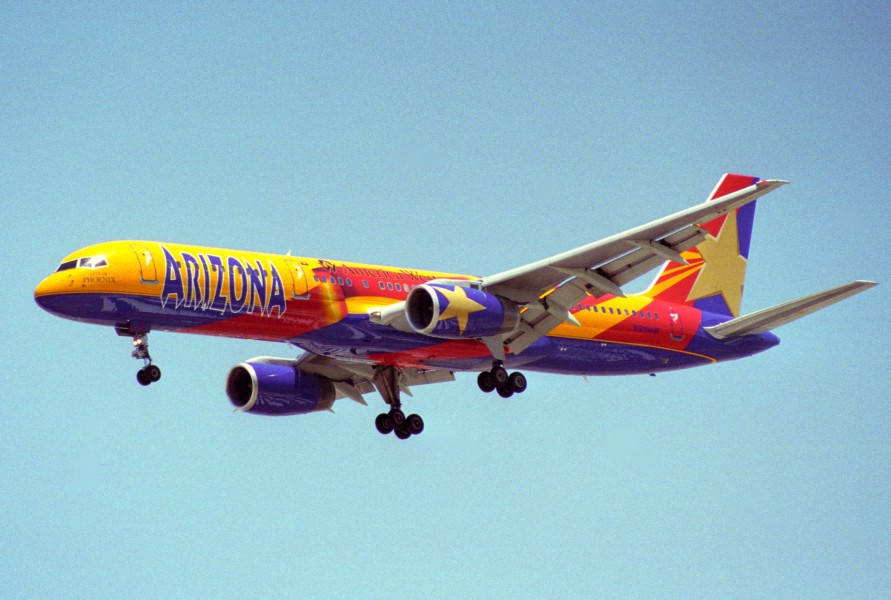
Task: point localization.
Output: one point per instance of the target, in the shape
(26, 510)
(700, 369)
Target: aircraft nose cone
(43, 289)
(50, 293)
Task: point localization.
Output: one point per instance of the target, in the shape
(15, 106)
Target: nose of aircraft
(49, 293)
(75, 290)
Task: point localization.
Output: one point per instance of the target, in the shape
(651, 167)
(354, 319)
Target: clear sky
(463, 138)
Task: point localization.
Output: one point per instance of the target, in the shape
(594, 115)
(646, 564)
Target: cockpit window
(87, 262)
(92, 262)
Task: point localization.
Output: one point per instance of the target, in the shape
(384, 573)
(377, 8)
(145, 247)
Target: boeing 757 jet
(366, 327)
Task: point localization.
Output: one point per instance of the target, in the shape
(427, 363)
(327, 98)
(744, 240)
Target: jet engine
(456, 312)
(276, 387)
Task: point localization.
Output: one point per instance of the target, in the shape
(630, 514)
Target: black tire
(398, 418)
(402, 433)
(384, 424)
(414, 424)
(154, 373)
(500, 376)
(505, 392)
(517, 382)
(142, 377)
(486, 381)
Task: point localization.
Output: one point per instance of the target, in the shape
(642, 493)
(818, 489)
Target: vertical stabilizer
(714, 277)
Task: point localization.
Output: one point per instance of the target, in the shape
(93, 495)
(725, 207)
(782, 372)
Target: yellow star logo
(724, 268)
(459, 306)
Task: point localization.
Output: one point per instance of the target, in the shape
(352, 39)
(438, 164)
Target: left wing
(549, 287)
(352, 379)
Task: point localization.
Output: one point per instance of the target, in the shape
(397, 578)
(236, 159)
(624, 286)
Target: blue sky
(462, 138)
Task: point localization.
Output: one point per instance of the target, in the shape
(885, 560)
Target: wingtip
(772, 182)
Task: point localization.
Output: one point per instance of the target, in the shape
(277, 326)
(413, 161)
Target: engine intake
(456, 312)
(277, 388)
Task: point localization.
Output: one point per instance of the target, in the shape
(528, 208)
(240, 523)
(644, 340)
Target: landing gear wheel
(384, 423)
(143, 377)
(500, 375)
(398, 417)
(153, 372)
(486, 381)
(505, 392)
(517, 382)
(414, 424)
(402, 433)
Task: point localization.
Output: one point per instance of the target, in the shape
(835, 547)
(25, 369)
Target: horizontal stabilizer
(771, 318)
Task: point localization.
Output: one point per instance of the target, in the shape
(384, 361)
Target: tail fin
(714, 276)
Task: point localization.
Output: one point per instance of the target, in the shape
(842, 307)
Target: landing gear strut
(149, 373)
(498, 379)
(386, 379)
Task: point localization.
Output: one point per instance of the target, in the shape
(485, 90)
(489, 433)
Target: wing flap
(771, 318)
(353, 379)
(549, 287)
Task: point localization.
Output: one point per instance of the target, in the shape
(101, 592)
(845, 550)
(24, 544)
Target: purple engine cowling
(456, 312)
(277, 388)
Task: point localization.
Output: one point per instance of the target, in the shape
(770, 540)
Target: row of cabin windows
(619, 311)
(349, 283)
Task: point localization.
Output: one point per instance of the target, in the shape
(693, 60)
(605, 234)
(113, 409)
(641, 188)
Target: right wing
(546, 289)
(549, 287)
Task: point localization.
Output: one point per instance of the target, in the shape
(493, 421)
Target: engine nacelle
(277, 388)
(455, 312)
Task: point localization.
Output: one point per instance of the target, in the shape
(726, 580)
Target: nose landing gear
(150, 373)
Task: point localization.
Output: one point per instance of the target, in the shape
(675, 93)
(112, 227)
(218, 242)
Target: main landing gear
(498, 379)
(149, 373)
(386, 379)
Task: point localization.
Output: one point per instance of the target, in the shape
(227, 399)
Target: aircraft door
(299, 283)
(677, 325)
(148, 272)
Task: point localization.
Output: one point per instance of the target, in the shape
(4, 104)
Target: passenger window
(390, 285)
(364, 283)
(381, 284)
(649, 315)
(349, 282)
(657, 316)
(340, 280)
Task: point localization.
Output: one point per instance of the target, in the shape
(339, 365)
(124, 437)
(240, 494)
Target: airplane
(367, 327)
